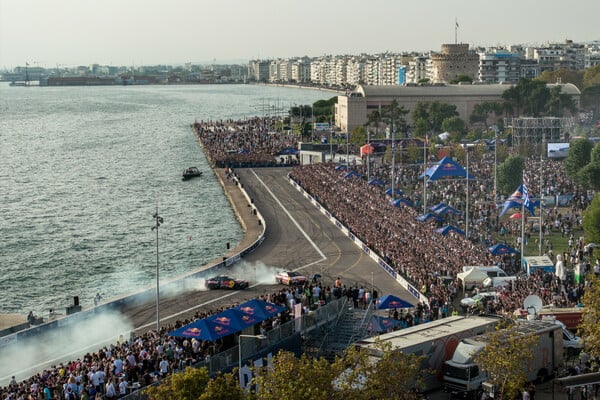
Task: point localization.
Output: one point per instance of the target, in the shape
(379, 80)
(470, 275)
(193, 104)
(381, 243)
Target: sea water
(83, 170)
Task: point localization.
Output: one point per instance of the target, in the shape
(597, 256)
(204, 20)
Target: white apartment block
(499, 66)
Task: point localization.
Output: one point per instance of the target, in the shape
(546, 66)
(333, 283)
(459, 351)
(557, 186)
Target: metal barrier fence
(229, 358)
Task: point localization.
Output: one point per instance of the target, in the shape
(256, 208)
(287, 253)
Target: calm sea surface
(82, 171)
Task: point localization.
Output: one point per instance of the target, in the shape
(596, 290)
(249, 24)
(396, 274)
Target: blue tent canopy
(229, 321)
(390, 301)
(449, 228)
(382, 324)
(259, 309)
(289, 151)
(445, 168)
(400, 202)
(447, 210)
(426, 217)
(388, 191)
(437, 206)
(341, 167)
(501, 248)
(203, 330)
(351, 174)
(377, 182)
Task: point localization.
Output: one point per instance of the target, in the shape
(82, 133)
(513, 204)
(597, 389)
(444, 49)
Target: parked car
(482, 297)
(290, 278)
(226, 282)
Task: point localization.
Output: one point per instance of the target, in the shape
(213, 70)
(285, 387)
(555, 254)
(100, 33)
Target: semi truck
(436, 340)
(464, 378)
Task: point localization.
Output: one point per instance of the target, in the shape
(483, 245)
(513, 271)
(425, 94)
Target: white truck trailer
(436, 340)
(464, 378)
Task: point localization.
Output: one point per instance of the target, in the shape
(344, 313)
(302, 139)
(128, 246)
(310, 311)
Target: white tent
(472, 277)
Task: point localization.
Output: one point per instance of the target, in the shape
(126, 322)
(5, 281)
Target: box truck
(436, 340)
(464, 378)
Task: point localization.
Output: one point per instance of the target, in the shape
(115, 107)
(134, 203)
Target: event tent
(472, 277)
(341, 167)
(351, 174)
(428, 216)
(501, 248)
(400, 202)
(444, 230)
(447, 210)
(382, 324)
(445, 168)
(366, 149)
(388, 191)
(376, 182)
(390, 301)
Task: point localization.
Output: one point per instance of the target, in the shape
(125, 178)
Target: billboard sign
(558, 150)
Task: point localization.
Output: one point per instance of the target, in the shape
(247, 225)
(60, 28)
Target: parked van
(492, 271)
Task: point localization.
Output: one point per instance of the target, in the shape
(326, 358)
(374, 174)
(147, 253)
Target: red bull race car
(226, 282)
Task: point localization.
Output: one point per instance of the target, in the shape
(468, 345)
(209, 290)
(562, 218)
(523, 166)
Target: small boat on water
(190, 173)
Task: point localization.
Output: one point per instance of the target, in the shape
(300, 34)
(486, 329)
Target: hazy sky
(144, 32)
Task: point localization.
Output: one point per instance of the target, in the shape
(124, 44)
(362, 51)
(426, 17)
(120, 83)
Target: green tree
(455, 126)
(510, 174)
(323, 110)
(589, 176)
(591, 229)
(590, 100)
(395, 117)
(591, 77)
(187, 385)
(433, 114)
(461, 78)
(482, 112)
(505, 359)
(294, 378)
(224, 387)
(558, 102)
(564, 75)
(395, 375)
(358, 136)
(579, 156)
(374, 120)
(589, 327)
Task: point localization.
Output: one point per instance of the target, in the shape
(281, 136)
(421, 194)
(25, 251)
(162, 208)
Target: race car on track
(290, 278)
(226, 282)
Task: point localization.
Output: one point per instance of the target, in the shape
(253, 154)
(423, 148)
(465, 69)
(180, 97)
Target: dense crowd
(249, 142)
(428, 260)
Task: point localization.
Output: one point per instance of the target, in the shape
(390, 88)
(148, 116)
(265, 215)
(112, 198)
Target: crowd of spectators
(428, 260)
(245, 143)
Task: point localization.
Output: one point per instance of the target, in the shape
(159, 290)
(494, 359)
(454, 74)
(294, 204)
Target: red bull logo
(247, 310)
(395, 303)
(248, 320)
(220, 330)
(223, 321)
(270, 309)
(193, 332)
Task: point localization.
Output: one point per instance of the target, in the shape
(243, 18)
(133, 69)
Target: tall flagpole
(424, 172)
(523, 194)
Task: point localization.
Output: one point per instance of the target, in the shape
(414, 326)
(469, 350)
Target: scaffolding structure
(530, 130)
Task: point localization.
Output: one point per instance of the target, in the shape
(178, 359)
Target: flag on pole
(456, 22)
(427, 139)
(526, 201)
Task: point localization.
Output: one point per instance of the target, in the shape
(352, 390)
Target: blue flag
(526, 201)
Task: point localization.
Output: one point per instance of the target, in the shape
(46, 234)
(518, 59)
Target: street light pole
(261, 337)
(467, 206)
(159, 221)
(495, 163)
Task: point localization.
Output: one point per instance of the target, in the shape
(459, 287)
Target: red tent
(366, 149)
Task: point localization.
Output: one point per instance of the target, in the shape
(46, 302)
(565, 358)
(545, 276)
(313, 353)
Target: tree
(358, 136)
(294, 378)
(510, 174)
(323, 109)
(433, 114)
(590, 315)
(590, 99)
(558, 102)
(455, 126)
(187, 385)
(394, 116)
(374, 119)
(589, 176)
(591, 229)
(224, 387)
(579, 156)
(394, 375)
(461, 78)
(505, 359)
(482, 111)
(564, 75)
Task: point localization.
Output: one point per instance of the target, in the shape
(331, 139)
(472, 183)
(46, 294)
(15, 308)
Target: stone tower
(454, 60)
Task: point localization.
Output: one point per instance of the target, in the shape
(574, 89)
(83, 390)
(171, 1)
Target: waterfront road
(298, 238)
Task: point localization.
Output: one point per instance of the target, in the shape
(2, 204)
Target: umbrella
(260, 309)
(390, 301)
(516, 216)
